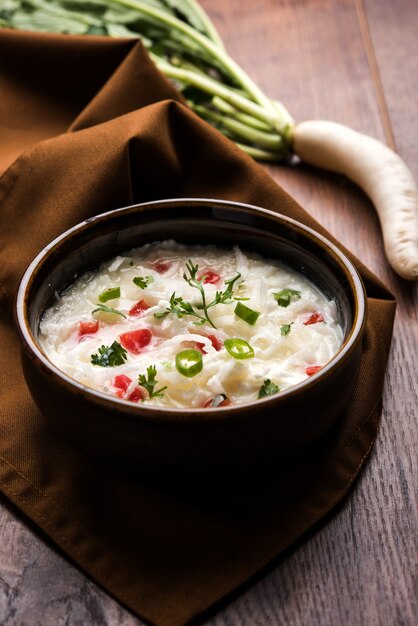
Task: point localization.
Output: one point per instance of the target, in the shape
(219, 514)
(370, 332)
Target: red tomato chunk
(210, 277)
(160, 266)
(315, 318)
(136, 340)
(313, 369)
(215, 343)
(121, 382)
(136, 395)
(87, 328)
(139, 308)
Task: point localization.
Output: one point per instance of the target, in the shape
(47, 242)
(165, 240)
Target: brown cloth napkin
(100, 128)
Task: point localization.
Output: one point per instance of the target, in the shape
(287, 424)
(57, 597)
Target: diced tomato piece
(121, 382)
(210, 277)
(313, 369)
(160, 266)
(139, 308)
(211, 403)
(315, 318)
(136, 340)
(136, 395)
(215, 343)
(88, 328)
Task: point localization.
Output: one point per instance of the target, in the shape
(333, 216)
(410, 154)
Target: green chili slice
(245, 313)
(110, 294)
(239, 348)
(189, 363)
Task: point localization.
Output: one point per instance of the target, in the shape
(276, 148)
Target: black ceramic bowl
(192, 442)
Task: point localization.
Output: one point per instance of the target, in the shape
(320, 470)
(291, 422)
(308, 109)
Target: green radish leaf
(97, 30)
(41, 21)
(92, 7)
(184, 10)
(119, 30)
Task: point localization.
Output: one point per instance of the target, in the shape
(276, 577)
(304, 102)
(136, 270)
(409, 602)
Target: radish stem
(211, 86)
(258, 154)
(207, 23)
(224, 107)
(232, 68)
(259, 138)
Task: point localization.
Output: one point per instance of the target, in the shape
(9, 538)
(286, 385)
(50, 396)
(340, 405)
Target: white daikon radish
(381, 174)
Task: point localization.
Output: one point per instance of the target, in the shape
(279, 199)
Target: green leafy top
(268, 389)
(180, 308)
(285, 329)
(186, 47)
(149, 382)
(110, 356)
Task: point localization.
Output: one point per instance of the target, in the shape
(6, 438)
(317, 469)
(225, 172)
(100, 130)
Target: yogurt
(244, 327)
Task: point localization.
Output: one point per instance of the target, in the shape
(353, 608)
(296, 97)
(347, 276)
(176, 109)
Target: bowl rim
(194, 415)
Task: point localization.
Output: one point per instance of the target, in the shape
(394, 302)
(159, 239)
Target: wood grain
(358, 569)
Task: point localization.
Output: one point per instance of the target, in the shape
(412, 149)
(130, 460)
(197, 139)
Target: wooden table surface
(354, 62)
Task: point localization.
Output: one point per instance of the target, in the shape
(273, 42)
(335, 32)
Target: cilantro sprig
(110, 356)
(286, 296)
(180, 307)
(268, 389)
(143, 281)
(149, 382)
(285, 329)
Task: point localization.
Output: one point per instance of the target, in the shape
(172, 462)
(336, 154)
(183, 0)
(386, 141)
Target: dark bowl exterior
(192, 444)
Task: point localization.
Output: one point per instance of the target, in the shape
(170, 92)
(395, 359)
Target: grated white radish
(282, 359)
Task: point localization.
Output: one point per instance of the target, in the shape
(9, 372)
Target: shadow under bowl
(192, 443)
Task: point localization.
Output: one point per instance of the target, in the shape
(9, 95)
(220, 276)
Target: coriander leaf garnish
(285, 296)
(180, 308)
(143, 281)
(285, 329)
(110, 356)
(149, 383)
(268, 389)
(102, 308)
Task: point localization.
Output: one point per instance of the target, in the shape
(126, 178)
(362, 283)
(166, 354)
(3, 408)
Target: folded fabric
(95, 127)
